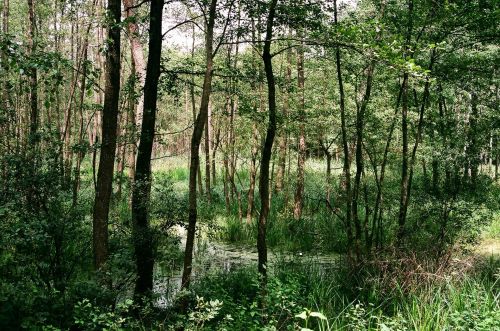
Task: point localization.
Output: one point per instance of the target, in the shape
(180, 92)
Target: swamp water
(210, 255)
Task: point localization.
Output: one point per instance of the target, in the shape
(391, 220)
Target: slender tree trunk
(226, 182)
(80, 153)
(34, 117)
(195, 145)
(33, 139)
(403, 202)
(407, 179)
(207, 154)
(255, 133)
(215, 144)
(282, 147)
(299, 190)
(473, 152)
(268, 145)
(193, 105)
(253, 173)
(139, 70)
(328, 174)
(108, 145)
(360, 117)
(345, 142)
(377, 210)
(137, 52)
(405, 176)
(5, 131)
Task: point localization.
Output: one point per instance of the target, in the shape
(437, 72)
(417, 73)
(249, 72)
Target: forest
(250, 165)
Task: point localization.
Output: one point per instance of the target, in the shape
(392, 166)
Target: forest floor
(489, 246)
(490, 240)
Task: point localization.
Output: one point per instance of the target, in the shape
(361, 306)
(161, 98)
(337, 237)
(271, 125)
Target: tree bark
(193, 105)
(141, 191)
(108, 146)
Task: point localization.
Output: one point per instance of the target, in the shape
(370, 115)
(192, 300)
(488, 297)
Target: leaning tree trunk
(195, 145)
(108, 146)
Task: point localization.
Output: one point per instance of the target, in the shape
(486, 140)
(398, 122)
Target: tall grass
(333, 298)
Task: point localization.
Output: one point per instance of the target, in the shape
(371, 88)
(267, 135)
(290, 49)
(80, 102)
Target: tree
(139, 71)
(141, 192)
(109, 128)
(199, 124)
(299, 191)
(345, 143)
(268, 143)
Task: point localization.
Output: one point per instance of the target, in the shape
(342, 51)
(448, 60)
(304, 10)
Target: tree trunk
(403, 201)
(473, 152)
(360, 117)
(33, 128)
(139, 70)
(141, 191)
(255, 133)
(345, 142)
(193, 105)
(215, 145)
(408, 167)
(282, 147)
(108, 146)
(328, 174)
(195, 145)
(253, 172)
(80, 154)
(377, 210)
(405, 178)
(267, 147)
(299, 190)
(137, 53)
(33, 99)
(207, 154)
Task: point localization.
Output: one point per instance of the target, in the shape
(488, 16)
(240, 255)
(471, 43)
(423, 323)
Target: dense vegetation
(249, 165)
